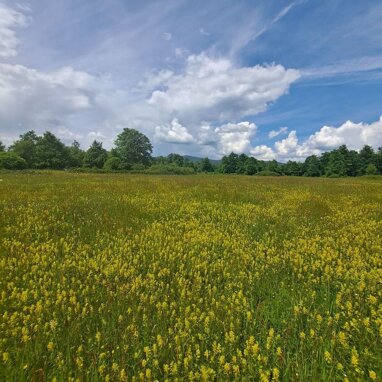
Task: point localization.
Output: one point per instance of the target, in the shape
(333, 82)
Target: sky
(275, 79)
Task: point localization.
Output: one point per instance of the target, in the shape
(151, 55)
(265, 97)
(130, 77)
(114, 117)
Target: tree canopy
(133, 147)
(133, 151)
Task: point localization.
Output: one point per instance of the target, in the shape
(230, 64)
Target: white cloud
(214, 89)
(275, 133)
(9, 20)
(210, 96)
(353, 135)
(263, 152)
(234, 137)
(173, 133)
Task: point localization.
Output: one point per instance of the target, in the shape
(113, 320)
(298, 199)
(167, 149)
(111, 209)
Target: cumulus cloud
(203, 104)
(353, 135)
(275, 133)
(214, 89)
(263, 152)
(31, 97)
(235, 137)
(9, 20)
(173, 133)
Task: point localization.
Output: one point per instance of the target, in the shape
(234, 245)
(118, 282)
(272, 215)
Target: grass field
(198, 278)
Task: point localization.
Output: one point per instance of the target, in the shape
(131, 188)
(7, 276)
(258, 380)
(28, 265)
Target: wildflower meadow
(115, 277)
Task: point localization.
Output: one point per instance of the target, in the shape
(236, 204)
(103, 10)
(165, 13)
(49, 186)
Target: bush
(371, 169)
(112, 164)
(169, 169)
(11, 161)
(138, 167)
(267, 173)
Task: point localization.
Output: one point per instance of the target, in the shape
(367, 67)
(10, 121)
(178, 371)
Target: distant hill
(198, 159)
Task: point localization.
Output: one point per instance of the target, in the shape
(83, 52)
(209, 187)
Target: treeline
(336, 163)
(132, 151)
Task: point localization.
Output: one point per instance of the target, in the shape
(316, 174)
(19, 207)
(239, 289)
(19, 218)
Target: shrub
(11, 161)
(112, 164)
(371, 169)
(267, 173)
(169, 169)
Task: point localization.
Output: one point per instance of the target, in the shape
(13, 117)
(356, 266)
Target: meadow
(115, 277)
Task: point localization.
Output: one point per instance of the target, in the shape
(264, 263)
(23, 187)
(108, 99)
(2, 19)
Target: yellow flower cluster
(201, 278)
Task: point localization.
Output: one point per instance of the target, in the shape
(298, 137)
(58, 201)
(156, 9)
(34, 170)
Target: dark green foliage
(229, 164)
(50, 152)
(267, 173)
(133, 147)
(206, 165)
(113, 164)
(367, 157)
(273, 166)
(378, 160)
(95, 156)
(371, 169)
(292, 168)
(170, 169)
(25, 147)
(132, 152)
(76, 155)
(11, 161)
(252, 166)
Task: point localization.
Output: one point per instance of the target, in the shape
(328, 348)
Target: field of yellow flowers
(113, 277)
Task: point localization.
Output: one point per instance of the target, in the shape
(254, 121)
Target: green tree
(337, 164)
(25, 147)
(206, 165)
(371, 169)
(312, 166)
(378, 160)
(229, 164)
(12, 161)
(133, 147)
(95, 156)
(367, 157)
(113, 163)
(292, 168)
(252, 166)
(76, 155)
(175, 159)
(273, 166)
(2, 147)
(50, 152)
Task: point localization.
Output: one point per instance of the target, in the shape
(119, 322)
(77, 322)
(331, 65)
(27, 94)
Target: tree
(312, 166)
(251, 166)
(2, 147)
(76, 155)
(292, 168)
(229, 164)
(371, 169)
(175, 159)
(366, 157)
(25, 147)
(336, 165)
(112, 164)
(12, 161)
(273, 166)
(133, 147)
(95, 156)
(378, 160)
(206, 165)
(50, 152)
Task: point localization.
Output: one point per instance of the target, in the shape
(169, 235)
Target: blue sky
(273, 79)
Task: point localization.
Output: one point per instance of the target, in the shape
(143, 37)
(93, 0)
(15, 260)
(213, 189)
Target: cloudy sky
(276, 79)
